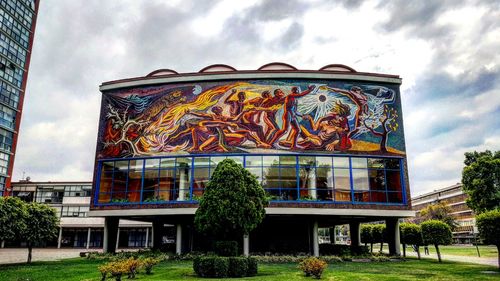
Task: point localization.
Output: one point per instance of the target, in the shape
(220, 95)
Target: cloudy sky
(447, 53)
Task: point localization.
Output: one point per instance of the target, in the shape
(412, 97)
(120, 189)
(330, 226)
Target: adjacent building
(453, 197)
(327, 146)
(17, 28)
(77, 230)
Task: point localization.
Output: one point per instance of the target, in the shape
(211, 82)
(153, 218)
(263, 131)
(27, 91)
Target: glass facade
(16, 28)
(285, 178)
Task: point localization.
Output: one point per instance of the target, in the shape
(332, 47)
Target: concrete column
(246, 245)
(110, 234)
(59, 238)
(178, 240)
(3, 244)
(315, 239)
(392, 226)
(183, 185)
(147, 237)
(157, 234)
(311, 185)
(355, 233)
(117, 238)
(333, 234)
(88, 238)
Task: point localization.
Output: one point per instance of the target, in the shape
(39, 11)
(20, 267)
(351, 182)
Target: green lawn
(468, 251)
(485, 251)
(82, 269)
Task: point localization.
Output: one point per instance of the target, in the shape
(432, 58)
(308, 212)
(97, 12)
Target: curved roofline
(203, 70)
(249, 74)
(153, 73)
(288, 66)
(324, 68)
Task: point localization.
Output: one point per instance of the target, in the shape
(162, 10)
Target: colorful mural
(260, 116)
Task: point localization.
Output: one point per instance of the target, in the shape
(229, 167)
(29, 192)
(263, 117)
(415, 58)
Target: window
(301, 178)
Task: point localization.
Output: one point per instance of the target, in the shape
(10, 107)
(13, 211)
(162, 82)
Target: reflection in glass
(342, 179)
(108, 166)
(270, 160)
(378, 196)
(106, 182)
(340, 162)
(377, 163)
(252, 161)
(359, 163)
(377, 179)
(395, 197)
(393, 180)
(152, 163)
(166, 163)
(360, 179)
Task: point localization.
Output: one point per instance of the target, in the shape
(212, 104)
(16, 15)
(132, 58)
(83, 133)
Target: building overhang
(244, 75)
(269, 211)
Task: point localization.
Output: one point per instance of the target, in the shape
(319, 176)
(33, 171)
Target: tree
(488, 224)
(12, 218)
(379, 234)
(366, 235)
(438, 211)
(233, 202)
(42, 224)
(481, 180)
(436, 233)
(411, 234)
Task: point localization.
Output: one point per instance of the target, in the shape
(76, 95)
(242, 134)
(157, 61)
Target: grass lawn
(82, 269)
(466, 250)
(470, 251)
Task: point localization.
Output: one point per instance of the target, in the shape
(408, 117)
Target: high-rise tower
(17, 29)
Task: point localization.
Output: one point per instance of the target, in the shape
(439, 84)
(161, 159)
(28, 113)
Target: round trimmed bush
(252, 266)
(238, 266)
(220, 267)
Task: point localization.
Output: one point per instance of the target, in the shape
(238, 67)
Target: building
(453, 197)
(77, 230)
(327, 146)
(17, 28)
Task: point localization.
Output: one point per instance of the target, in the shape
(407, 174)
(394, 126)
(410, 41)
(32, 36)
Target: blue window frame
(285, 178)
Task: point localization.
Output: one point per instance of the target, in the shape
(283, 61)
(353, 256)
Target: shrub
(313, 267)
(252, 266)
(238, 266)
(203, 266)
(342, 250)
(105, 269)
(436, 233)
(366, 235)
(148, 264)
(488, 224)
(226, 248)
(411, 234)
(117, 269)
(132, 266)
(220, 267)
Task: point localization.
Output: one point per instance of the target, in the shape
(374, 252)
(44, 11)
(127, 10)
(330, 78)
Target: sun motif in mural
(320, 102)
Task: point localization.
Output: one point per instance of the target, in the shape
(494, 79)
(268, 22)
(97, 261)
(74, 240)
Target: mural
(257, 116)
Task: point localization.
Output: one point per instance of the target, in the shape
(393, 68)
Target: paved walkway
(20, 255)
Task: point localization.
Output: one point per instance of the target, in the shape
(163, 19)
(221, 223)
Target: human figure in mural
(253, 116)
(359, 98)
(289, 118)
(216, 131)
(269, 116)
(330, 131)
(235, 106)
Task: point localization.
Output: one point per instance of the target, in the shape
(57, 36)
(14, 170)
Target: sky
(447, 53)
